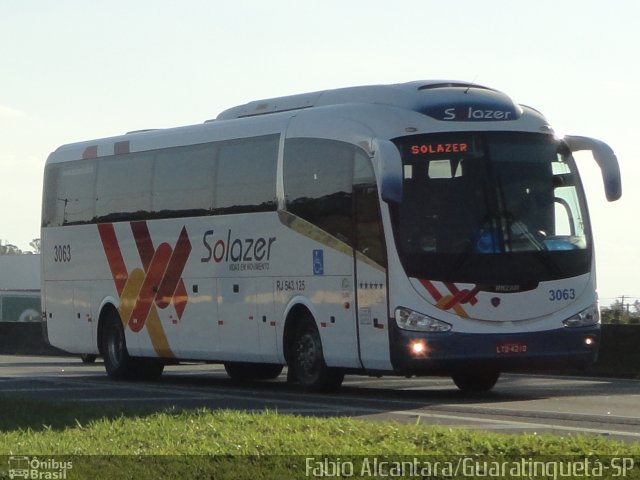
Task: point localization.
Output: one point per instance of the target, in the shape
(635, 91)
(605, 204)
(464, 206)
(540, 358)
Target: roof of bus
(403, 95)
(427, 105)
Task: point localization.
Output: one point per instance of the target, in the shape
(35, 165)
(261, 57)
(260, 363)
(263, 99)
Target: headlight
(586, 318)
(410, 320)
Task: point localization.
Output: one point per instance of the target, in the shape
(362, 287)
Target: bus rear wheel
(476, 381)
(117, 361)
(307, 361)
(113, 347)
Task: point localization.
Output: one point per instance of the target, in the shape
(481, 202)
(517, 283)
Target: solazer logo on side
(248, 253)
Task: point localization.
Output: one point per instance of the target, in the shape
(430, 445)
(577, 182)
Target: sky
(74, 70)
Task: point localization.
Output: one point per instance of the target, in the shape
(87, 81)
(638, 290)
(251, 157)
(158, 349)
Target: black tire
(117, 361)
(307, 360)
(88, 358)
(252, 371)
(113, 347)
(476, 381)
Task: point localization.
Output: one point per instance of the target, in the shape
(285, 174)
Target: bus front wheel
(307, 360)
(476, 381)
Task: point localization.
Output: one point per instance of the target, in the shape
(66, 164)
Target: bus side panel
(237, 322)
(66, 288)
(69, 321)
(312, 270)
(334, 303)
(198, 328)
(269, 347)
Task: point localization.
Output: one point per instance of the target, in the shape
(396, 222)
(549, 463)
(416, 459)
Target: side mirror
(606, 159)
(389, 164)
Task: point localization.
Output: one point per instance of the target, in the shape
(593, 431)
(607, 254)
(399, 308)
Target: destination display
(431, 148)
(440, 145)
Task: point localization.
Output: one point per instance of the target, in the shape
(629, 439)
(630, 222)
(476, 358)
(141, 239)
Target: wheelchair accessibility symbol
(318, 262)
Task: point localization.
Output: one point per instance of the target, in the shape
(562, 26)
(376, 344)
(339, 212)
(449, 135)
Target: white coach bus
(426, 228)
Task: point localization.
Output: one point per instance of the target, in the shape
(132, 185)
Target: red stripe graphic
(455, 300)
(180, 298)
(143, 242)
(114, 256)
(150, 286)
(464, 296)
(172, 278)
(431, 289)
(163, 268)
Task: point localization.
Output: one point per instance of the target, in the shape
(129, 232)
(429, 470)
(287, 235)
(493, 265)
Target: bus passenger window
(70, 193)
(123, 190)
(183, 181)
(318, 178)
(369, 233)
(245, 179)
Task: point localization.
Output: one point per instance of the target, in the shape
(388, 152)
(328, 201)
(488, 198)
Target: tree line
(621, 312)
(7, 248)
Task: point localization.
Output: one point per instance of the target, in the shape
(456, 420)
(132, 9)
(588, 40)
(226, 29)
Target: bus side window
(123, 189)
(51, 217)
(369, 233)
(369, 236)
(69, 193)
(183, 181)
(245, 179)
(318, 179)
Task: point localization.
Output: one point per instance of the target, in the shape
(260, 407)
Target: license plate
(510, 347)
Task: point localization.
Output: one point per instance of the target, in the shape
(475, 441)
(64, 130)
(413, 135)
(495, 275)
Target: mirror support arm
(606, 160)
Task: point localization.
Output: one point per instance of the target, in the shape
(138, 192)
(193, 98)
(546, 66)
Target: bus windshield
(490, 207)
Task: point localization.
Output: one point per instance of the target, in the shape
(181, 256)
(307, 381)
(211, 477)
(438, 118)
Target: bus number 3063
(61, 253)
(555, 295)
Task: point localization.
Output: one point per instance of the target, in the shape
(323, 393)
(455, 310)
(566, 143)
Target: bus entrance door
(370, 280)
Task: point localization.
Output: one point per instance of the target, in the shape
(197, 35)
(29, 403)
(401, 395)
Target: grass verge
(112, 443)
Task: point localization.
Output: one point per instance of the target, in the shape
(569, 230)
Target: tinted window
(369, 235)
(183, 181)
(69, 193)
(246, 175)
(50, 216)
(489, 208)
(318, 179)
(123, 189)
(223, 177)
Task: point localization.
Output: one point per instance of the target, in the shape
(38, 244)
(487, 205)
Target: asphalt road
(518, 403)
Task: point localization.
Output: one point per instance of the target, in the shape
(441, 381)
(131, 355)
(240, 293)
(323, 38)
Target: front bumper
(445, 353)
